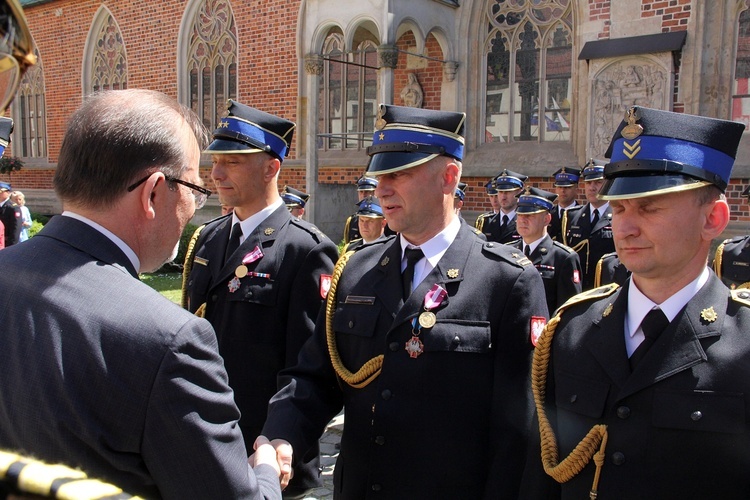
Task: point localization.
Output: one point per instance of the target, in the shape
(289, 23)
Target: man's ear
(155, 186)
(717, 219)
(451, 176)
(271, 168)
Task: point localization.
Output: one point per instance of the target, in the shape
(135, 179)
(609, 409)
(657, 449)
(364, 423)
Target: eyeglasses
(200, 193)
(16, 49)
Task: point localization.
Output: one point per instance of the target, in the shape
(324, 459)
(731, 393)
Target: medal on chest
(426, 319)
(242, 271)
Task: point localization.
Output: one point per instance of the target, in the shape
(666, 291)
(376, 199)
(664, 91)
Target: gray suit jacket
(101, 372)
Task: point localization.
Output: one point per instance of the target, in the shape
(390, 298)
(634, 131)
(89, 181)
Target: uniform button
(456, 340)
(573, 398)
(380, 440)
(351, 324)
(249, 294)
(376, 487)
(623, 412)
(214, 297)
(618, 458)
(190, 283)
(490, 245)
(696, 415)
(386, 394)
(393, 346)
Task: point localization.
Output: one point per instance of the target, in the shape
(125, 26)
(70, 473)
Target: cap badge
(709, 315)
(632, 129)
(380, 121)
(452, 273)
(268, 231)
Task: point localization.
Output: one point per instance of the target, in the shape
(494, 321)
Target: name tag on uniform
(359, 299)
(740, 263)
(201, 261)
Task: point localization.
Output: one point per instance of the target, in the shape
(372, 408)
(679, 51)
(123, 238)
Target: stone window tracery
(212, 61)
(529, 62)
(109, 62)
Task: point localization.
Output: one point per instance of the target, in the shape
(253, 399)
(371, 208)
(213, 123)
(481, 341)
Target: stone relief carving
(412, 94)
(617, 87)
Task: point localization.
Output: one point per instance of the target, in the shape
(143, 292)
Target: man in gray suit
(99, 370)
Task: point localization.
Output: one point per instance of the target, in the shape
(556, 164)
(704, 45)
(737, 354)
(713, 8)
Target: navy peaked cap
(655, 151)
(534, 200)
(406, 137)
(294, 197)
(250, 130)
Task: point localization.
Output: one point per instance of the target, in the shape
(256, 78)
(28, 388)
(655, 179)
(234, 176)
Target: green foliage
(187, 233)
(36, 226)
(10, 164)
(167, 284)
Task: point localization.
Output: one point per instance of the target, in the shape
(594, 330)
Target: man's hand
(277, 453)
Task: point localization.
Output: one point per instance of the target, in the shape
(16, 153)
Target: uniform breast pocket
(706, 411)
(256, 291)
(547, 274)
(357, 319)
(580, 394)
(459, 336)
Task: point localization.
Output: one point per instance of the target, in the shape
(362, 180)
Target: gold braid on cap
(188, 266)
(595, 441)
(369, 370)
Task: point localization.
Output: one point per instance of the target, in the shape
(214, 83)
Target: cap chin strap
(405, 147)
(640, 167)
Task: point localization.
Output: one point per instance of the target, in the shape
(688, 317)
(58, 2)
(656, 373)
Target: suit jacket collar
(677, 349)
(85, 238)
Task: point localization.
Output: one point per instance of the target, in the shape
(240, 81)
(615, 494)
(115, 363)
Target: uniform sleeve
(192, 444)
(569, 278)
(512, 402)
(306, 298)
(309, 396)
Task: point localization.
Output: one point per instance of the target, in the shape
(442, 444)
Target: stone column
(387, 62)
(313, 70)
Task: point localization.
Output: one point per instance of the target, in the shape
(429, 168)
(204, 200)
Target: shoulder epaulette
(593, 294)
(563, 246)
(507, 253)
(310, 228)
(741, 295)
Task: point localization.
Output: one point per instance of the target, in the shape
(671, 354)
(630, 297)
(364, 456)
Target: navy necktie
(412, 255)
(234, 241)
(596, 217)
(652, 325)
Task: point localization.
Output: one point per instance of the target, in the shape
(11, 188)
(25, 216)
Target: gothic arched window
(109, 63)
(529, 61)
(30, 114)
(212, 61)
(348, 91)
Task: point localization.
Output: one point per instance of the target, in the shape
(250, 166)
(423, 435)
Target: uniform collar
(248, 225)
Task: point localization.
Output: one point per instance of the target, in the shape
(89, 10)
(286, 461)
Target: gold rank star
(381, 136)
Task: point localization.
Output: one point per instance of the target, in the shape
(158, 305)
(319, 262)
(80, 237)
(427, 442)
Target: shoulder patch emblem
(325, 285)
(536, 327)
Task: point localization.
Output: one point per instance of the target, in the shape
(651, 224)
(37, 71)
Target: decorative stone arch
(406, 25)
(104, 55)
(616, 84)
(359, 25)
(320, 35)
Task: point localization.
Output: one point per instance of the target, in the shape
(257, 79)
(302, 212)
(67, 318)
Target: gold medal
(427, 319)
(241, 271)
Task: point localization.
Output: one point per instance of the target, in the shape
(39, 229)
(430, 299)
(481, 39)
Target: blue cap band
(686, 152)
(451, 145)
(240, 130)
(293, 199)
(535, 201)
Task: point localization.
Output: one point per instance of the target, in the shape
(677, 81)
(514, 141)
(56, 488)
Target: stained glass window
(109, 62)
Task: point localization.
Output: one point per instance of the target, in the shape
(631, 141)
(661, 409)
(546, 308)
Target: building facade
(543, 83)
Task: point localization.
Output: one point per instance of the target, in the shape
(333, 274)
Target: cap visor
(621, 188)
(219, 146)
(385, 163)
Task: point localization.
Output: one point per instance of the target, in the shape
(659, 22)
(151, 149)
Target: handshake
(277, 454)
